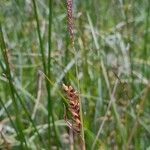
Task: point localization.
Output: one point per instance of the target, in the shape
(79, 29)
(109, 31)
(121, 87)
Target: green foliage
(113, 58)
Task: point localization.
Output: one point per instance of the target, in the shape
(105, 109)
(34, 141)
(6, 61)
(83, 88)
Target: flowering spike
(70, 20)
(73, 100)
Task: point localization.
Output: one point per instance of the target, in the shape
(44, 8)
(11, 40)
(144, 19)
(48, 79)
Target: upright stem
(71, 33)
(39, 35)
(47, 72)
(50, 112)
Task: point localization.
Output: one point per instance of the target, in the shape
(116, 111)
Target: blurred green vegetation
(112, 42)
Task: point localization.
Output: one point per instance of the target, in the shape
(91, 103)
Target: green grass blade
(21, 136)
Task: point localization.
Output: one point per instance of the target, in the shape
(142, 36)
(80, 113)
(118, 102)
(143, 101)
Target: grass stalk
(11, 121)
(80, 103)
(72, 42)
(47, 71)
(50, 113)
(145, 53)
(39, 35)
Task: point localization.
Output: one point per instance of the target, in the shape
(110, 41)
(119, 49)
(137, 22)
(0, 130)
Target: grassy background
(112, 42)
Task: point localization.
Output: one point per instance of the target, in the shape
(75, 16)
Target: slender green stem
(50, 112)
(3, 105)
(2, 66)
(146, 37)
(81, 113)
(49, 70)
(49, 91)
(39, 35)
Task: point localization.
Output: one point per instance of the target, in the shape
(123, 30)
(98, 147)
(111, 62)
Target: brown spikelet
(70, 20)
(74, 108)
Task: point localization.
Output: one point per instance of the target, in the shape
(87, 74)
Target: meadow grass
(108, 65)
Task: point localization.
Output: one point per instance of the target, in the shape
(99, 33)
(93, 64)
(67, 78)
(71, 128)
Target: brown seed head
(74, 108)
